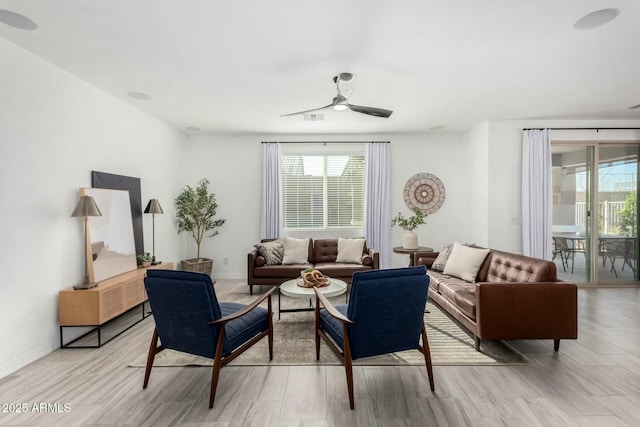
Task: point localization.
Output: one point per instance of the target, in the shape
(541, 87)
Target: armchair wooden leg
(270, 337)
(556, 345)
(153, 349)
(217, 365)
(427, 357)
(348, 367)
(476, 340)
(316, 329)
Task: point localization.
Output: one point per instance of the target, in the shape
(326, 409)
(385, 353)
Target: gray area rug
(294, 342)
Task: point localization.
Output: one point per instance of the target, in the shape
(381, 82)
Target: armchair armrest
(517, 310)
(320, 298)
(248, 308)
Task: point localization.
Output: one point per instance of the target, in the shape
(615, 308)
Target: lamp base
(85, 286)
(153, 261)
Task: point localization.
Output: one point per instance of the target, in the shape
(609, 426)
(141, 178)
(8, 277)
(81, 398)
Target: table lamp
(153, 207)
(85, 208)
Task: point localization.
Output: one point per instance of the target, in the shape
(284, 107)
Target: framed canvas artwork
(112, 248)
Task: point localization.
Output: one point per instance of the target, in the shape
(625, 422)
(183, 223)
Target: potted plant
(410, 238)
(195, 214)
(145, 259)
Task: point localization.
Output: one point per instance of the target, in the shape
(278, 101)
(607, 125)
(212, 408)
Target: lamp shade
(153, 207)
(86, 207)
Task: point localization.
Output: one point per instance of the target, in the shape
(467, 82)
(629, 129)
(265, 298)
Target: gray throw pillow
(272, 251)
(441, 260)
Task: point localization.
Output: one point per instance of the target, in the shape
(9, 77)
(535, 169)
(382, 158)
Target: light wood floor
(594, 381)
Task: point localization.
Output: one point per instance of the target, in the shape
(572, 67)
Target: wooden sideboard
(96, 306)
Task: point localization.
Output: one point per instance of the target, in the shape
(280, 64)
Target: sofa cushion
(441, 260)
(281, 271)
(350, 251)
(272, 251)
(296, 251)
(464, 262)
(462, 293)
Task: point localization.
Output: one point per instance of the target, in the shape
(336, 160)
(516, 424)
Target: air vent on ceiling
(313, 117)
(634, 107)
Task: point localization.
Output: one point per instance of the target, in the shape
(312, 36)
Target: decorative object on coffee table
(85, 208)
(410, 238)
(313, 278)
(195, 214)
(153, 207)
(425, 192)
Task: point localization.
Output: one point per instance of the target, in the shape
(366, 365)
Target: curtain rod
(326, 142)
(596, 129)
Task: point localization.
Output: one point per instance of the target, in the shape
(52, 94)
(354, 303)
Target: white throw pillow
(350, 251)
(464, 262)
(296, 251)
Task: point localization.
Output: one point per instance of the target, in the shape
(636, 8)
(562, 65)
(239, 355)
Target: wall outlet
(225, 261)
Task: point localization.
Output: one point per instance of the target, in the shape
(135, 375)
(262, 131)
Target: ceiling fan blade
(308, 111)
(372, 111)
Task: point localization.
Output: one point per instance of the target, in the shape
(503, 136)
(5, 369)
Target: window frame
(322, 150)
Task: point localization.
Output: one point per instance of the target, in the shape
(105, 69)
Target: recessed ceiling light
(139, 95)
(596, 19)
(438, 127)
(16, 20)
(192, 129)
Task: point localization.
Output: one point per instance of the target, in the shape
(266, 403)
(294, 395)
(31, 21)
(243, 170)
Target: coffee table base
(292, 290)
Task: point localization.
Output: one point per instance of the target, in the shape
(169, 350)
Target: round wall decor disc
(425, 192)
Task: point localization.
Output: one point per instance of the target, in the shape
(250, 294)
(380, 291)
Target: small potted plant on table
(410, 238)
(145, 259)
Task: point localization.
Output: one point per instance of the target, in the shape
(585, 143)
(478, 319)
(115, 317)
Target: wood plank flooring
(592, 381)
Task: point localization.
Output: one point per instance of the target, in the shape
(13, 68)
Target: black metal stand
(98, 328)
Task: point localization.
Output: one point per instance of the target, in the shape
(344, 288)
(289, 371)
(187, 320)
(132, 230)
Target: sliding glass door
(595, 218)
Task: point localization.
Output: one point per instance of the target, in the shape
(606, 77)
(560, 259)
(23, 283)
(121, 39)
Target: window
(323, 191)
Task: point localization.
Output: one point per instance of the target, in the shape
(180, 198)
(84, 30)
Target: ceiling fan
(345, 83)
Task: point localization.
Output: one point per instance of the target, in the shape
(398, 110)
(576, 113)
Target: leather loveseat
(513, 297)
(322, 256)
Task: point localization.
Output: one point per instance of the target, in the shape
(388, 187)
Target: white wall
(233, 163)
(54, 130)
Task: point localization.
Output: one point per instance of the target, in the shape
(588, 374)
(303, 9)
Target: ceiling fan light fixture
(340, 107)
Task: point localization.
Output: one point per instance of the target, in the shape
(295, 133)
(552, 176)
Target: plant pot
(201, 265)
(145, 263)
(410, 240)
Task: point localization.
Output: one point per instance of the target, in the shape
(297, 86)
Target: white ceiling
(235, 66)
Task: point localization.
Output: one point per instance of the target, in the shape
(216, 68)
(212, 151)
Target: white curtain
(537, 198)
(377, 218)
(271, 227)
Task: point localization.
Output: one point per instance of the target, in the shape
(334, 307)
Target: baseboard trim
(22, 361)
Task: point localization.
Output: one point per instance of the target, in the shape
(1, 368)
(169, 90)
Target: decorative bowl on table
(311, 278)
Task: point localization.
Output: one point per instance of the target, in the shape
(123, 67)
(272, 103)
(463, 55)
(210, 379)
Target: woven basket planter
(201, 265)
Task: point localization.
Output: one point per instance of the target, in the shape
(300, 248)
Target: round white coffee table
(291, 289)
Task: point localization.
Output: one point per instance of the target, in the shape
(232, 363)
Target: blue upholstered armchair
(385, 314)
(190, 319)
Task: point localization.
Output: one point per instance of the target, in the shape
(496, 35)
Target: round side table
(403, 250)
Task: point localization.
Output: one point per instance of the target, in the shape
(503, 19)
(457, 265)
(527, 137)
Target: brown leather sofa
(514, 297)
(322, 256)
